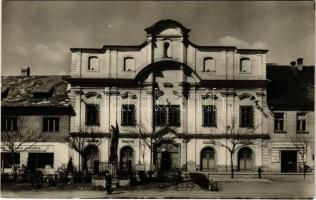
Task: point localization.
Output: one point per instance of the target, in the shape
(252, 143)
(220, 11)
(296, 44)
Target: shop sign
(37, 148)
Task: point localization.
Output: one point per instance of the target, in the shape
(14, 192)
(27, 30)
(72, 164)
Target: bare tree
(152, 141)
(301, 143)
(19, 139)
(78, 141)
(237, 138)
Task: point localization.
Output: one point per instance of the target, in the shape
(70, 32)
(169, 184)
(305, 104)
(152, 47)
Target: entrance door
(245, 159)
(126, 162)
(208, 159)
(91, 156)
(165, 161)
(288, 161)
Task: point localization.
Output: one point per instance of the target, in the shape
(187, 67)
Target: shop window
(209, 116)
(246, 116)
(93, 63)
(279, 122)
(128, 115)
(6, 159)
(92, 115)
(245, 65)
(209, 64)
(8, 123)
(50, 124)
(129, 64)
(40, 160)
(301, 122)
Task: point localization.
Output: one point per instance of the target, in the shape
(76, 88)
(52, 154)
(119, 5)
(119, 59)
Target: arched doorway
(208, 159)
(91, 159)
(245, 162)
(168, 156)
(126, 159)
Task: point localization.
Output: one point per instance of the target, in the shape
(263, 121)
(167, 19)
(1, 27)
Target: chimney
(25, 71)
(300, 64)
(293, 64)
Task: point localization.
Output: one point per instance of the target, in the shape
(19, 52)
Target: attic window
(43, 93)
(93, 63)
(129, 64)
(245, 65)
(209, 64)
(166, 50)
(4, 93)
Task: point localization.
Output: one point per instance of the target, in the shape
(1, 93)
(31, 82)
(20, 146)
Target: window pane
(92, 115)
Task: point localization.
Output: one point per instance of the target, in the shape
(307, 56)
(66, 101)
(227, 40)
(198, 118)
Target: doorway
(168, 156)
(245, 159)
(288, 161)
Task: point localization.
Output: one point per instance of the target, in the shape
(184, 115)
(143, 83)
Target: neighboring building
(38, 105)
(197, 90)
(291, 99)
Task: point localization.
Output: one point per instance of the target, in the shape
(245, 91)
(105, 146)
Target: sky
(39, 34)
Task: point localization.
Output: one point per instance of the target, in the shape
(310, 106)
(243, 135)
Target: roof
(167, 23)
(289, 88)
(35, 93)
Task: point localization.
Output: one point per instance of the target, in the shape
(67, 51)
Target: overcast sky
(39, 34)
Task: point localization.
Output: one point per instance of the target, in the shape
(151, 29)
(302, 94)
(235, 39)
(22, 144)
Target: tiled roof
(35, 92)
(289, 88)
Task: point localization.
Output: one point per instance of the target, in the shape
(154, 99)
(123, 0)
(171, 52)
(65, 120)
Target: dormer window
(166, 50)
(245, 65)
(209, 64)
(93, 63)
(129, 64)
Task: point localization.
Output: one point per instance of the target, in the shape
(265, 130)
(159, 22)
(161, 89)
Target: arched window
(166, 50)
(126, 159)
(129, 64)
(208, 159)
(91, 159)
(245, 159)
(245, 65)
(209, 64)
(93, 63)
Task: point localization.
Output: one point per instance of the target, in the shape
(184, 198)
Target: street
(269, 187)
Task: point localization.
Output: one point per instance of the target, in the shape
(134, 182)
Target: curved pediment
(167, 26)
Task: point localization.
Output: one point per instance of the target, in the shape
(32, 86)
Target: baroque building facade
(199, 92)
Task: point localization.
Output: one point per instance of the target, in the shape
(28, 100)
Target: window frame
(4, 123)
(54, 120)
(282, 120)
(89, 64)
(246, 124)
(170, 112)
(88, 121)
(126, 109)
(211, 114)
(125, 64)
(204, 64)
(301, 131)
(242, 59)
(8, 163)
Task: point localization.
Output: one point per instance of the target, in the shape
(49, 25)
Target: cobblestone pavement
(270, 187)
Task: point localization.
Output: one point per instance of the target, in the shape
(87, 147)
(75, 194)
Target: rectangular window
(160, 115)
(40, 160)
(301, 122)
(7, 161)
(92, 115)
(128, 115)
(8, 123)
(50, 124)
(167, 115)
(278, 122)
(174, 115)
(209, 116)
(246, 116)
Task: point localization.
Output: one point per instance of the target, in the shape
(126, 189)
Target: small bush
(199, 179)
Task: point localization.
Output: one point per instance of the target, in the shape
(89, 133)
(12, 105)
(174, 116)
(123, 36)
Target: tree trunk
(14, 168)
(304, 169)
(231, 165)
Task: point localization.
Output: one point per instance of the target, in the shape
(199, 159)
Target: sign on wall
(275, 156)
